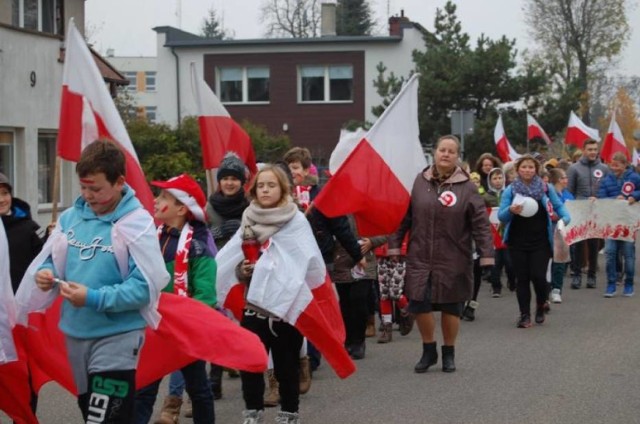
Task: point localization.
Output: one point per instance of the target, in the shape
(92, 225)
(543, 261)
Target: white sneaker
(555, 296)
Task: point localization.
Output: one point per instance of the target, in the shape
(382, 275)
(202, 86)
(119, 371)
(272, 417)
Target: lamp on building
(285, 127)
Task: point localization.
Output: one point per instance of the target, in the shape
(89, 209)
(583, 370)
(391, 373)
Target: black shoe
(357, 351)
(448, 356)
(540, 314)
(469, 312)
(429, 357)
(547, 307)
(591, 282)
(511, 284)
(576, 282)
(524, 321)
(497, 292)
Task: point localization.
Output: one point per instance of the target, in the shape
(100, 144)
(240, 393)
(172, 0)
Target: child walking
(188, 251)
(106, 248)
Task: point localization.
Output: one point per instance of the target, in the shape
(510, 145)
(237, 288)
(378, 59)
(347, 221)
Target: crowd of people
(498, 217)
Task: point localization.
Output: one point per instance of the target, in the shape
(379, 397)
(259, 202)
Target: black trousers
(530, 266)
(592, 246)
(285, 347)
(354, 306)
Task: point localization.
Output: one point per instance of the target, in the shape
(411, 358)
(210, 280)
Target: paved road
(581, 366)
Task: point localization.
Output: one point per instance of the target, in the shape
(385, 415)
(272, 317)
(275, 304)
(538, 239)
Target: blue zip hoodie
(113, 303)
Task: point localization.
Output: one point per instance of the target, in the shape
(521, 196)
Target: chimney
(110, 52)
(328, 20)
(397, 23)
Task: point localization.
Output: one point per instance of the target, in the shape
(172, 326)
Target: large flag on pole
(578, 132)
(535, 130)
(506, 152)
(374, 182)
(219, 133)
(613, 142)
(87, 112)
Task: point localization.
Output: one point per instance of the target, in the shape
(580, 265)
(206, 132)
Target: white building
(141, 73)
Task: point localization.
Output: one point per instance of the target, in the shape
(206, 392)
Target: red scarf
(181, 261)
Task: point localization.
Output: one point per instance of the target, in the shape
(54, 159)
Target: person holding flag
(445, 208)
(112, 288)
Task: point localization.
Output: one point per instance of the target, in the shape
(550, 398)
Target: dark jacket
(611, 186)
(439, 256)
(582, 181)
(325, 229)
(23, 239)
(343, 262)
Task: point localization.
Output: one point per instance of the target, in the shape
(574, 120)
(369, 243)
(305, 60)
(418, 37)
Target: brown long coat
(440, 241)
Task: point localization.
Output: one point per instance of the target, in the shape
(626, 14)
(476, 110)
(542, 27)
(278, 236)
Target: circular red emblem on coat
(628, 188)
(448, 198)
(598, 173)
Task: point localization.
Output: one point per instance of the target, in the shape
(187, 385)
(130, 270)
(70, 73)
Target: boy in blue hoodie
(105, 247)
(622, 183)
(188, 250)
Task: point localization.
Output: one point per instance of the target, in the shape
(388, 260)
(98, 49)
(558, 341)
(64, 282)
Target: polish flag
(506, 152)
(300, 292)
(374, 182)
(613, 142)
(219, 133)
(14, 375)
(87, 112)
(535, 130)
(578, 132)
(636, 158)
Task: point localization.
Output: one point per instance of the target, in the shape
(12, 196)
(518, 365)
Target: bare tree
(291, 18)
(581, 38)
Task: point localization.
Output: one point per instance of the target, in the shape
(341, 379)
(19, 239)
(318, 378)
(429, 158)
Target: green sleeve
(202, 279)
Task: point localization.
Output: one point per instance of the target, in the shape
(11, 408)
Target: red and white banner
(613, 142)
(219, 133)
(374, 181)
(578, 132)
(603, 218)
(87, 112)
(506, 152)
(535, 130)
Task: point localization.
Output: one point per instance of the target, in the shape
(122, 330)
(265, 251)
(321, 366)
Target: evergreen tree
(353, 17)
(212, 27)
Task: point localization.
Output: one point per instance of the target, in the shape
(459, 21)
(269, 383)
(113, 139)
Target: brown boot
(305, 375)
(273, 394)
(170, 413)
(371, 326)
(385, 334)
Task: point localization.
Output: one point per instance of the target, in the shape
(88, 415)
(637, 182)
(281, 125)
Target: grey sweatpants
(113, 353)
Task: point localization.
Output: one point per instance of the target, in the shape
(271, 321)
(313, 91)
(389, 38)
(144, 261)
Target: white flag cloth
(7, 303)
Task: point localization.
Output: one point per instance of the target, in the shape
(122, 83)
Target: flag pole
(212, 181)
(55, 190)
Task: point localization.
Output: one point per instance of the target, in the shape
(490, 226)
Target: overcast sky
(125, 25)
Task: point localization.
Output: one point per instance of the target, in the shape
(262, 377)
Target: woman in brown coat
(445, 215)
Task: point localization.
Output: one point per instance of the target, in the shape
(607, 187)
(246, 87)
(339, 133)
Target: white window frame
(132, 87)
(245, 85)
(153, 109)
(21, 15)
(147, 87)
(327, 84)
(48, 205)
(12, 153)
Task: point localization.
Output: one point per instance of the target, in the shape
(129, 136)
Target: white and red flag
(613, 142)
(374, 182)
(578, 132)
(506, 152)
(299, 292)
(87, 112)
(636, 158)
(219, 133)
(534, 130)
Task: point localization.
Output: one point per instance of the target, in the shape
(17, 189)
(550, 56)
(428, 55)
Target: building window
(333, 83)
(133, 80)
(46, 166)
(6, 153)
(244, 84)
(150, 81)
(150, 114)
(38, 15)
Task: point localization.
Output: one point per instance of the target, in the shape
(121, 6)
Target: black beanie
(232, 166)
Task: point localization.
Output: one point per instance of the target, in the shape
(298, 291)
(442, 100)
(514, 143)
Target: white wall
(28, 109)
(138, 64)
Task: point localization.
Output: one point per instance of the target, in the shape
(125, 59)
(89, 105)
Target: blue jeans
(628, 248)
(176, 384)
(197, 385)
